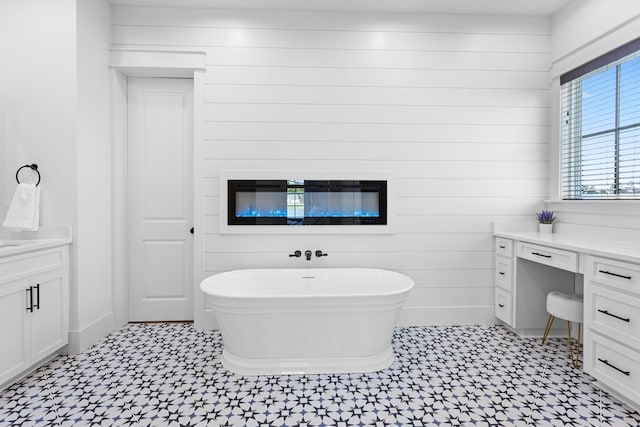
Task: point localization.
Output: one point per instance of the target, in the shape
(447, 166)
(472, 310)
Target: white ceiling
(474, 7)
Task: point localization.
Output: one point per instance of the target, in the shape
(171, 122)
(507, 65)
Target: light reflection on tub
(304, 321)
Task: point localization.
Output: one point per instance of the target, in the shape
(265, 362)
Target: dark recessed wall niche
(306, 202)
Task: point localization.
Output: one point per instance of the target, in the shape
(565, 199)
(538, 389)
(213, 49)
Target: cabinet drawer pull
(606, 362)
(624, 319)
(501, 273)
(29, 291)
(501, 305)
(502, 246)
(539, 254)
(614, 274)
(37, 303)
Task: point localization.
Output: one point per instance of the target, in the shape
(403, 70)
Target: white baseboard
(81, 339)
(445, 316)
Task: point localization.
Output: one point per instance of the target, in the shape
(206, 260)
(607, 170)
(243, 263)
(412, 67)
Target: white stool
(569, 308)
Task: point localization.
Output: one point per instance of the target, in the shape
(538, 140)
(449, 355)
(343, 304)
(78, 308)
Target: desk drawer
(620, 275)
(613, 314)
(614, 365)
(504, 306)
(504, 273)
(504, 247)
(558, 258)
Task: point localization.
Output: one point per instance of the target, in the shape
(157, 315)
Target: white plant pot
(545, 228)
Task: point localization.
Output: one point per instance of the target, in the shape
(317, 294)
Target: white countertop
(14, 247)
(616, 249)
(13, 243)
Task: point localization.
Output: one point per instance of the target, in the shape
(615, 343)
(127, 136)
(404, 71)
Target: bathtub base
(338, 365)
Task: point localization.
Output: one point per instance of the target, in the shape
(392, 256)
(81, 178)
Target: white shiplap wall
(456, 106)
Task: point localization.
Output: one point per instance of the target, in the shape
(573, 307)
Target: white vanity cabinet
(612, 325)
(605, 265)
(504, 270)
(34, 308)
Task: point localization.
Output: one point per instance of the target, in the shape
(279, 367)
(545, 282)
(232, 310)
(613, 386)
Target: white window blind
(600, 126)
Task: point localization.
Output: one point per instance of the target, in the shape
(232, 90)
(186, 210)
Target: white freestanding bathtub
(305, 321)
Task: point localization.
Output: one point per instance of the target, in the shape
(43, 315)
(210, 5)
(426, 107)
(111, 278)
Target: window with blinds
(600, 139)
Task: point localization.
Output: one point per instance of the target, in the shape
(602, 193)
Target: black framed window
(600, 140)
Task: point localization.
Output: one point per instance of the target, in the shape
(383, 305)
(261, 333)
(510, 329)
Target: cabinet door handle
(624, 319)
(29, 299)
(37, 304)
(501, 305)
(606, 362)
(614, 274)
(539, 254)
(502, 246)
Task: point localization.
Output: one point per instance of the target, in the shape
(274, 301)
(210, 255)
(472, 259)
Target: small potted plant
(545, 221)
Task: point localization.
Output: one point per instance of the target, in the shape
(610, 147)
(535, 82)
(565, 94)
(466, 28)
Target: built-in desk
(579, 244)
(607, 271)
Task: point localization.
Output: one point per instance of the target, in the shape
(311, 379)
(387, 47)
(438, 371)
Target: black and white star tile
(170, 375)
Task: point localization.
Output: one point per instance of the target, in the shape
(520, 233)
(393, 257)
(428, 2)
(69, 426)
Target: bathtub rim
(404, 289)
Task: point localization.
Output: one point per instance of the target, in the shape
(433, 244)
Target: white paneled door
(160, 199)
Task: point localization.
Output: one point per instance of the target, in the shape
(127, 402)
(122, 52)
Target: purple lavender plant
(545, 217)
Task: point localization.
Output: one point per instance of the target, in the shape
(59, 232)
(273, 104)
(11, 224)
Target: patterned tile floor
(170, 375)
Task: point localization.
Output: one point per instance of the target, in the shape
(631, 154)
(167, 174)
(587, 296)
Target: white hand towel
(24, 210)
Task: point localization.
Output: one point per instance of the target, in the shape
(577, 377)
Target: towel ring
(33, 167)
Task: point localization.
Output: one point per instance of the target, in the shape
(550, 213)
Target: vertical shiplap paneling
(456, 106)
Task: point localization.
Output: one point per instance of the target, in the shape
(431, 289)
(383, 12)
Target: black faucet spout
(307, 254)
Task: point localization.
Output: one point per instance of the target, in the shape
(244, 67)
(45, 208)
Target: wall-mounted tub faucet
(296, 254)
(307, 254)
(319, 253)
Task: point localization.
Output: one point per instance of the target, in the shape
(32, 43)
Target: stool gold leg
(575, 360)
(547, 328)
(570, 346)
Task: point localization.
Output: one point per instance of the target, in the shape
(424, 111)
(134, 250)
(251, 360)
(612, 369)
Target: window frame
(571, 138)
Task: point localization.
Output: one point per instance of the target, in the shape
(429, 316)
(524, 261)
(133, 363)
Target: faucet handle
(319, 253)
(296, 254)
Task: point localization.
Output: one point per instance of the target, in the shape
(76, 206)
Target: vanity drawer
(504, 306)
(558, 258)
(504, 273)
(614, 365)
(620, 275)
(14, 267)
(504, 247)
(613, 314)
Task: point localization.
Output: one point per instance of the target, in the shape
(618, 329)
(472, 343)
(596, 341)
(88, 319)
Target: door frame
(127, 63)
